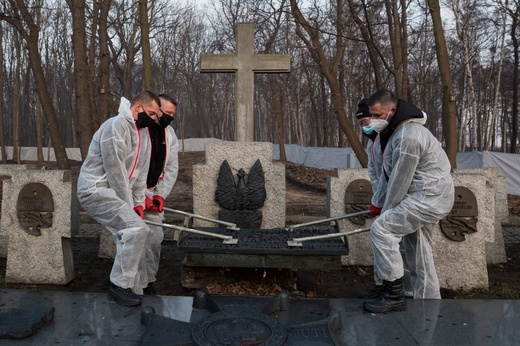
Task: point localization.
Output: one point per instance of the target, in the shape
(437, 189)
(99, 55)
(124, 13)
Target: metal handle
(329, 219)
(231, 226)
(298, 241)
(227, 239)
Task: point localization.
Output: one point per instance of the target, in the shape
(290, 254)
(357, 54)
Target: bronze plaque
(463, 217)
(34, 208)
(357, 198)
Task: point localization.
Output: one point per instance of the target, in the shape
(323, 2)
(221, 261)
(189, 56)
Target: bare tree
(104, 63)
(2, 142)
(364, 28)
(20, 18)
(145, 44)
(491, 132)
(84, 127)
(398, 30)
(448, 100)
(514, 12)
(125, 45)
(309, 34)
(16, 99)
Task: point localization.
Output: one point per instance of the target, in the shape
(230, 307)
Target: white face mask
(380, 124)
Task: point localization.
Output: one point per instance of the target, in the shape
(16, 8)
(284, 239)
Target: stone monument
(495, 249)
(6, 172)
(340, 192)
(460, 261)
(245, 64)
(39, 215)
(239, 156)
(462, 264)
(243, 153)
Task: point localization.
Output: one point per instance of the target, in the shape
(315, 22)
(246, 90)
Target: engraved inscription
(357, 198)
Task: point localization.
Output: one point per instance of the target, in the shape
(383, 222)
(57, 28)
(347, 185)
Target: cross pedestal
(245, 64)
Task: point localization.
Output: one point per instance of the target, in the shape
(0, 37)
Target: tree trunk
(496, 96)
(468, 63)
(16, 100)
(449, 122)
(81, 76)
(2, 142)
(48, 108)
(277, 107)
(39, 130)
(398, 42)
(145, 45)
(514, 113)
(104, 65)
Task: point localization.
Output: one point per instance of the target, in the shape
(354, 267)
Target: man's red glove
(148, 203)
(374, 211)
(157, 204)
(140, 211)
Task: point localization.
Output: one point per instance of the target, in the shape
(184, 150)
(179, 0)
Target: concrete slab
(88, 318)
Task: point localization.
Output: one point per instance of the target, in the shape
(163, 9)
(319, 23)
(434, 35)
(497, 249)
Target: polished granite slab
(82, 318)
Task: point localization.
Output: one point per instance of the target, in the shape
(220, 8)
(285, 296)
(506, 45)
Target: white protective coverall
(112, 181)
(163, 188)
(419, 192)
(375, 166)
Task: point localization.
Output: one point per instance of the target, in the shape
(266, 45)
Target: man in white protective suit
(373, 150)
(419, 192)
(162, 174)
(112, 185)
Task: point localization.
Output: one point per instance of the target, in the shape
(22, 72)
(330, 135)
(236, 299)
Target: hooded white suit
(112, 181)
(419, 192)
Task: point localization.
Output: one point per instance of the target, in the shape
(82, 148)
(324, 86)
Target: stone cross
(245, 63)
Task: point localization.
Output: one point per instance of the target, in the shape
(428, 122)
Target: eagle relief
(241, 198)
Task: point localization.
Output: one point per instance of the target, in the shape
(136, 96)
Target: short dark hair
(384, 97)
(146, 97)
(168, 98)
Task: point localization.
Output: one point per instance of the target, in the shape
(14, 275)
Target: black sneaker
(149, 290)
(123, 296)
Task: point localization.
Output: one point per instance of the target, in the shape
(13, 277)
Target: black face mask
(144, 120)
(165, 120)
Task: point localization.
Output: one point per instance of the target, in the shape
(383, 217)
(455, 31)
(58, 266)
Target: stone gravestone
(462, 264)
(459, 264)
(39, 215)
(495, 250)
(357, 183)
(6, 171)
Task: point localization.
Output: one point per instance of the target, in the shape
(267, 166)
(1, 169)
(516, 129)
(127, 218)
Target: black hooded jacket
(404, 112)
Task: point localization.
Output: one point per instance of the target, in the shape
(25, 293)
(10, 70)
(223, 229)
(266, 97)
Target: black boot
(149, 290)
(392, 298)
(374, 293)
(123, 296)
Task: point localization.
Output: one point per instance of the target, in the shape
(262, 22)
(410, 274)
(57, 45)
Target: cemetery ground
(305, 199)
